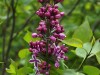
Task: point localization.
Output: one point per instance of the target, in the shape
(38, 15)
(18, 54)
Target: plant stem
(80, 66)
(82, 63)
(4, 34)
(4, 40)
(11, 36)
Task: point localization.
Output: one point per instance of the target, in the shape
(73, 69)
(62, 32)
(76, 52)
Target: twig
(4, 38)
(28, 20)
(82, 63)
(4, 35)
(12, 31)
(24, 25)
(95, 25)
(11, 36)
(16, 4)
(73, 8)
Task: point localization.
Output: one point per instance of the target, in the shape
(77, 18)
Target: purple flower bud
(52, 38)
(52, 22)
(34, 35)
(45, 29)
(47, 73)
(43, 9)
(65, 49)
(42, 23)
(56, 64)
(37, 12)
(62, 36)
(56, 11)
(51, 17)
(30, 49)
(56, 22)
(50, 9)
(62, 13)
(56, 6)
(40, 35)
(47, 14)
(55, 34)
(39, 28)
(65, 58)
(57, 16)
(40, 1)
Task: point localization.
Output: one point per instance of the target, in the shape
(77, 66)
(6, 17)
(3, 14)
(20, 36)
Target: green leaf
(69, 72)
(28, 37)
(73, 42)
(84, 32)
(91, 70)
(11, 70)
(23, 53)
(81, 52)
(63, 65)
(88, 5)
(98, 57)
(87, 46)
(72, 72)
(25, 71)
(96, 47)
(12, 67)
(79, 73)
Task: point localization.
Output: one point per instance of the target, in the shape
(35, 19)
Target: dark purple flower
(56, 64)
(36, 62)
(52, 38)
(34, 35)
(62, 36)
(62, 13)
(57, 16)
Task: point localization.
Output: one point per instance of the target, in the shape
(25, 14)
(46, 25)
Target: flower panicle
(51, 33)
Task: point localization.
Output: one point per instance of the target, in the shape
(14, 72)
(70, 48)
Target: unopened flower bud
(62, 13)
(56, 64)
(52, 38)
(62, 36)
(58, 16)
(34, 35)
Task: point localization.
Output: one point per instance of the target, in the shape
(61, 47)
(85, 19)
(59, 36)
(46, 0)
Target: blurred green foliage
(83, 35)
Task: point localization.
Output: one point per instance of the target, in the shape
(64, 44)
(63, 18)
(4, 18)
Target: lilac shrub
(49, 47)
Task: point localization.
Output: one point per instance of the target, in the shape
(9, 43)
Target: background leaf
(96, 47)
(86, 49)
(84, 32)
(81, 52)
(25, 71)
(91, 70)
(73, 42)
(87, 46)
(72, 72)
(98, 57)
(12, 68)
(23, 53)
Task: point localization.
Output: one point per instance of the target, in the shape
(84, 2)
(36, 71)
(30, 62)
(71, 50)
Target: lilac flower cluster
(55, 1)
(50, 32)
(51, 13)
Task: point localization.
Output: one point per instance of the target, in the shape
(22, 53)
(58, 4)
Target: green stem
(82, 63)
(80, 66)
